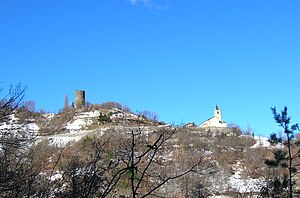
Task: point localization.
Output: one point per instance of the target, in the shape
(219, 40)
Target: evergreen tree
(104, 119)
(283, 158)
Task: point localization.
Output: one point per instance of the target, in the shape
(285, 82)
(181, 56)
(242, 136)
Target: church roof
(217, 108)
(206, 120)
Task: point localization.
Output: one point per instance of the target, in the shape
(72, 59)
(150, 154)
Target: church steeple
(217, 113)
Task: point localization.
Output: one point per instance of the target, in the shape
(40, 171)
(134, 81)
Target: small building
(190, 125)
(215, 121)
(117, 115)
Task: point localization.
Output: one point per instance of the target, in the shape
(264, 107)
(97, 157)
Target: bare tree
(144, 163)
(18, 168)
(10, 104)
(30, 105)
(85, 172)
(140, 163)
(148, 115)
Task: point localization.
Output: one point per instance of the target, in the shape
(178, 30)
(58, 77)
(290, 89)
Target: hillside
(231, 163)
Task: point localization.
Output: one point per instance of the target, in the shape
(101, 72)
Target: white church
(214, 121)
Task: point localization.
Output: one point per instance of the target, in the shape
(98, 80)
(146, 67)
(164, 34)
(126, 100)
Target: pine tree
(104, 119)
(284, 158)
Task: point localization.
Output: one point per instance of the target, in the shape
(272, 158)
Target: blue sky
(176, 58)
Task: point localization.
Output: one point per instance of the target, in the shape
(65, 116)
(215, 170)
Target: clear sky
(173, 57)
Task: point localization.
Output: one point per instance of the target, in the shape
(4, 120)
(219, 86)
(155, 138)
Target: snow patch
(263, 142)
(56, 176)
(82, 120)
(243, 185)
(49, 116)
(32, 127)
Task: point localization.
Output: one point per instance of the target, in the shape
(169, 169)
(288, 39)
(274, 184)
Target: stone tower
(79, 99)
(217, 113)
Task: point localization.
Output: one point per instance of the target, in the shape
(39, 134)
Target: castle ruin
(79, 99)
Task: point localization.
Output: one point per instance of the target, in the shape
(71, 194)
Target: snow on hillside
(49, 116)
(263, 142)
(77, 127)
(63, 139)
(33, 127)
(76, 135)
(243, 185)
(13, 126)
(10, 123)
(118, 113)
(82, 120)
(86, 118)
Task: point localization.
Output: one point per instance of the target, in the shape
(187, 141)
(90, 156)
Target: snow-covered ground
(13, 127)
(86, 118)
(31, 127)
(65, 138)
(77, 127)
(10, 123)
(118, 113)
(243, 185)
(263, 142)
(49, 115)
(82, 120)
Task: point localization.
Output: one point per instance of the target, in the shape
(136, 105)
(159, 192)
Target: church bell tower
(217, 113)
